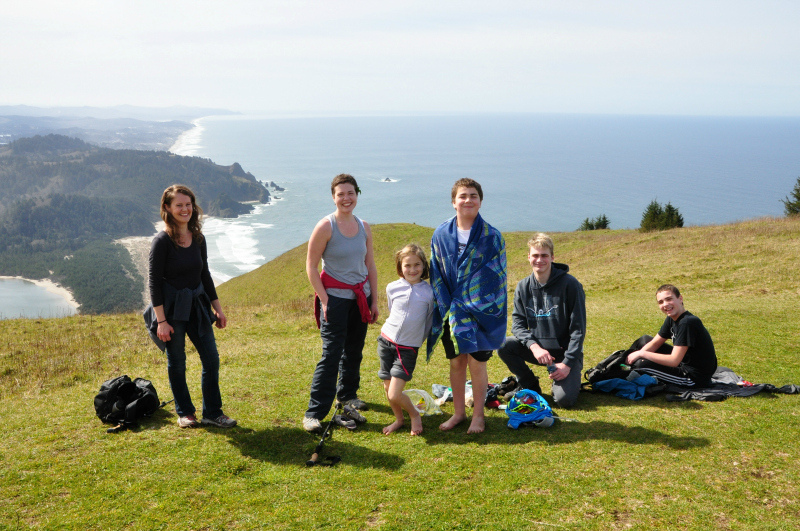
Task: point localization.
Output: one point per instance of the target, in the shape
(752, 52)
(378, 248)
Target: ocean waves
(233, 244)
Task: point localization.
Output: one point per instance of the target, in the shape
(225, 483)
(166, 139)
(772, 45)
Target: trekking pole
(325, 434)
(564, 419)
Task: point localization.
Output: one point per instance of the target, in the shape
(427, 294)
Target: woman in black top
(185, 303)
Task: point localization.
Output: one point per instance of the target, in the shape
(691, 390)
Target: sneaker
(312, 425)
(352, 413)
(189, 421)
(357, 403)
(223, 421)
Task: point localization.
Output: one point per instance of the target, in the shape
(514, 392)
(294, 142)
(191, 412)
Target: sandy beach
(52, 287)
(139, 249)
(187, 142)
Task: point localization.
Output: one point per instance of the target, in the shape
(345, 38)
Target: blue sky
(677, 57)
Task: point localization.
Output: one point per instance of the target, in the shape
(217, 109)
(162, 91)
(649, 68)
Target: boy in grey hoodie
(549, 325)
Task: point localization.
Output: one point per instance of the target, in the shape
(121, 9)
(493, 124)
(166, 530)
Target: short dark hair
(466, 183)
(669, 287)
(344, 178)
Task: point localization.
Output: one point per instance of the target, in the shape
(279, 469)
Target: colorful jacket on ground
(470, 289)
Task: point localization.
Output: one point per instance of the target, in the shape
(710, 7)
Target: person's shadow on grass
(562, 432)
(566, 430)
(284, 445)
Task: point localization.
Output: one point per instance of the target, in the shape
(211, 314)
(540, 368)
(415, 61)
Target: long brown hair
(195, 226)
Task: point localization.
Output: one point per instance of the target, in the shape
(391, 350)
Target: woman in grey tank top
(344, 245)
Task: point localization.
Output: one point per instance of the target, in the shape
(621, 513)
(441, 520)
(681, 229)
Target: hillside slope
(622, 465)
(733, 272)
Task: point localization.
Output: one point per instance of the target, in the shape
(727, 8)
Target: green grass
(624, 465)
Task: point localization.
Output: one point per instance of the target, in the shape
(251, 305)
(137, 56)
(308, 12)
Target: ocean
(22, 298)
(539, 172)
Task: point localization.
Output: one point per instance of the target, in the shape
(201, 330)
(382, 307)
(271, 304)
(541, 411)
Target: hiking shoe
(357, 403)
(312, 425)
(223, 421)
(352, 413)
(340, 420)
(189, 421)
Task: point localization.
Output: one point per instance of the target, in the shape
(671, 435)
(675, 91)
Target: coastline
(187, 143)
(52, 287)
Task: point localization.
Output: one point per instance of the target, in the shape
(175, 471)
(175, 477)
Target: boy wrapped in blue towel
(468, 277)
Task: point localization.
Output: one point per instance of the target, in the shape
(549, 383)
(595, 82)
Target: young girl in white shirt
(411, 304)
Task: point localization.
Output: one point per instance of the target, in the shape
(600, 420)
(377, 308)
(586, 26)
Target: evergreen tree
(600, 222)
(791, 205)
(672, 218)
(651, 219)
(656, 217)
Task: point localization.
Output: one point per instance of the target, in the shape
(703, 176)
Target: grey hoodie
(552, 315)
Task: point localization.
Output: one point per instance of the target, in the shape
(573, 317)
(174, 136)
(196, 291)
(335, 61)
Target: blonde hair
(412, 249)
(541, 241)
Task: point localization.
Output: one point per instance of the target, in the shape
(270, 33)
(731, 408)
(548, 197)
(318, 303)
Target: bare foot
(477, 426)
(416, 425)
(394, 426)
(452, 422)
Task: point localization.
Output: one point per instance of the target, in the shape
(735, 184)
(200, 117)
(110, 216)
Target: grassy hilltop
(623, 465)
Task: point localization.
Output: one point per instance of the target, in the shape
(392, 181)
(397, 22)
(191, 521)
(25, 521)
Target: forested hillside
(43, 165)
(63, 202)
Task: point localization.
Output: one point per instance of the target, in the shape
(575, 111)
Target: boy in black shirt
(691, 361)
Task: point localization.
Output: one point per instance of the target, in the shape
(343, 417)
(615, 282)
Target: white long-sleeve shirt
(410, 312)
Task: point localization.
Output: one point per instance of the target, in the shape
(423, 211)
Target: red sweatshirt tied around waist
(361, 297)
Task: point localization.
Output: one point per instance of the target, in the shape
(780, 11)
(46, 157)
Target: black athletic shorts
(450, 349)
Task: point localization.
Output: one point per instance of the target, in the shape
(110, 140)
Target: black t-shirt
(181, 267)
(700, 361)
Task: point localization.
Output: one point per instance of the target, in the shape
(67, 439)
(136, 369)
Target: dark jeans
(176, 369)
(517, 356)
(343, 334)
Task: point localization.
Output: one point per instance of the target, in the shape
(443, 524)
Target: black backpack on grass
(123, 402)
(612, 367)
